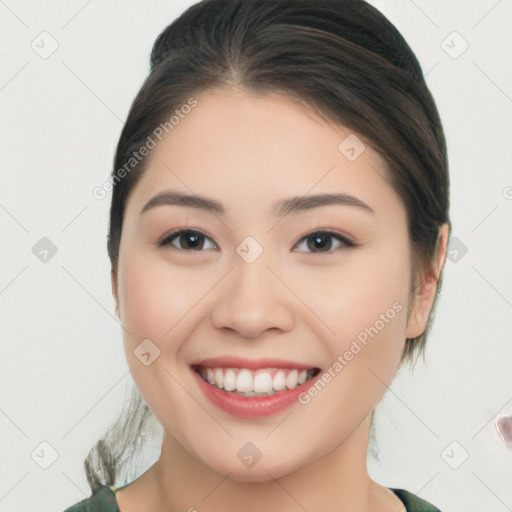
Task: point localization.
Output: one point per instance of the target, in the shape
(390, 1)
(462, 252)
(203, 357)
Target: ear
(113, 279)
(425, 291)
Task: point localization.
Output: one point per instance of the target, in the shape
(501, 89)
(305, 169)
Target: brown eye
(187, 240)
(322, 242)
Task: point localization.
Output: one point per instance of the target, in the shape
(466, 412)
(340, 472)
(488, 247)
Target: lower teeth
(253, 393)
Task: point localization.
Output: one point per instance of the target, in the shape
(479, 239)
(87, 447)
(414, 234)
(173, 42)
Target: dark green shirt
(104, 500)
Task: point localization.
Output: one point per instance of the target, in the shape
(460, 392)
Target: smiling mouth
(249, 383)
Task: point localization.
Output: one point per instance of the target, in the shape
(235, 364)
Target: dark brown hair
(341, 57)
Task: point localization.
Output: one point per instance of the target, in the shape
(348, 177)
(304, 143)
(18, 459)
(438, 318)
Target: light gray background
(63, 369)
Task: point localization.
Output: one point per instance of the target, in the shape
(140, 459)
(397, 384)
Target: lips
(253, 388)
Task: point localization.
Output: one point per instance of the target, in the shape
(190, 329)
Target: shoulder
(414, 503)
(103, 500)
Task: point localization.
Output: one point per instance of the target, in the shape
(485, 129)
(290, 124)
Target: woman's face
(261, 290)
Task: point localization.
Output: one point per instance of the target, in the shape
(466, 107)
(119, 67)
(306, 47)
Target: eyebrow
(280, 208)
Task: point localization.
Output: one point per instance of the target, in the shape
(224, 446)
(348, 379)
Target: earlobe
(425, 292)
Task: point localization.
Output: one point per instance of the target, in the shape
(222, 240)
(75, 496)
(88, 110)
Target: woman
(278, 230)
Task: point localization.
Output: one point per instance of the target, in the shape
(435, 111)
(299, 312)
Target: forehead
(250, 150)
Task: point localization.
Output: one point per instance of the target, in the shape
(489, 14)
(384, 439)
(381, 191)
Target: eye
(318, 242)
(187, 240)
(321, 242)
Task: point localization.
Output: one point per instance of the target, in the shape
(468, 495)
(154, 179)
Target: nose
(253, 299)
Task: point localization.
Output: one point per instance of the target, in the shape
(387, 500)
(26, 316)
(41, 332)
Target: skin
(248, 152)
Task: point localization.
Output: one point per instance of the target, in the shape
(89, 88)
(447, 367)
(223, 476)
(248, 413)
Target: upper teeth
(249, 382)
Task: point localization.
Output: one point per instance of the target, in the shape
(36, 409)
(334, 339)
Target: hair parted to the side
(341, 57)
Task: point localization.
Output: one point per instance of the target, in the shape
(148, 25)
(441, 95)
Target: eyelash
(167, 239)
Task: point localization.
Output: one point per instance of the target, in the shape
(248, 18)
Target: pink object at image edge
(504, 427)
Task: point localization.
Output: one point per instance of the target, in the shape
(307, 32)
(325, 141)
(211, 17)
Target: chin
(262, 471)
(255, 476)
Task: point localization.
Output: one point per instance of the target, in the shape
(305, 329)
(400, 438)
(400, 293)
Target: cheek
(156, 298)
(367, 312)
(371, 288)
(155, 303)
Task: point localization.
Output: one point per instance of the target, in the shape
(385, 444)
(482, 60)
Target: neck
(336, 481)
